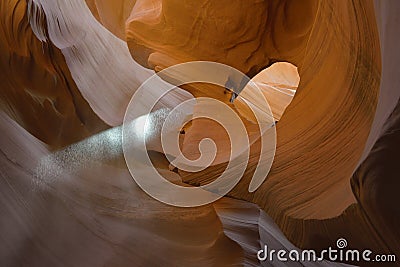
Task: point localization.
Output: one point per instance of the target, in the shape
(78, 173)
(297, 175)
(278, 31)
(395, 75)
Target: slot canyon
(93, 92)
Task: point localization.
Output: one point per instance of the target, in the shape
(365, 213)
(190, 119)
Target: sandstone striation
(68, 70)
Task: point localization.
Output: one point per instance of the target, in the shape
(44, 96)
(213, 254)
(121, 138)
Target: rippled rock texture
(68, 70)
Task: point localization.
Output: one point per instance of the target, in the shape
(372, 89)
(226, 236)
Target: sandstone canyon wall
(69, 69)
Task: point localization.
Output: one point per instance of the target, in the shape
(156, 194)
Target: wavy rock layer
(321, 135)
(319, 144)
(67, 208)
(247, 35)
(112, 14)
(37, 89)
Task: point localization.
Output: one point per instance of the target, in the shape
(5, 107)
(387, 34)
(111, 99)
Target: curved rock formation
(164, 32)
(38, 90)
(112, 14)
(88, 212)
(69, 69)
(322, 134)
(376, 187)
(310, 139)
